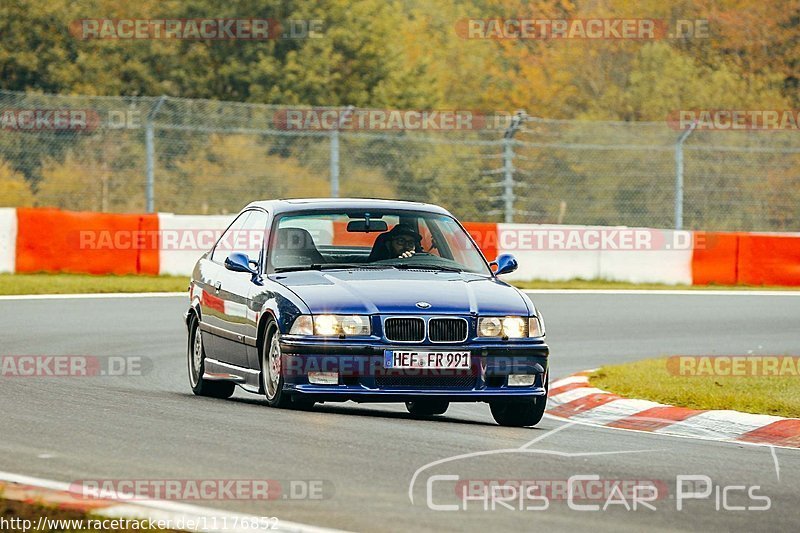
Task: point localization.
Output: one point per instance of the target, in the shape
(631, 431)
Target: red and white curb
(575, 399)
(58, 494)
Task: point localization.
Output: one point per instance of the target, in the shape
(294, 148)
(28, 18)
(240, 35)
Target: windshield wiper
(330, 266)
(408, 266)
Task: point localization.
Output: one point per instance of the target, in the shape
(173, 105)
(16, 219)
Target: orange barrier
(769, 260)
(485, 235)
(51, 240)
(715, 258)
(745, 258)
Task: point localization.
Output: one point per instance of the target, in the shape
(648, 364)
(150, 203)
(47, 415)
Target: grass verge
(23, 516)
(622, 285)
(11, 284)
(651, 380)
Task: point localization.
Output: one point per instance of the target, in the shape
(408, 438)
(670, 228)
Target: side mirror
(239, 262)
(506, 263)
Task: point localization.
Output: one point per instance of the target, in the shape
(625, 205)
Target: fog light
(323, 378)
(521, 380)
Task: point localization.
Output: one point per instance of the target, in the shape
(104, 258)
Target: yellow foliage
(14, 190)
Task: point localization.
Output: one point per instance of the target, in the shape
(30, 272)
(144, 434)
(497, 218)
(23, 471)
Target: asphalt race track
(152, 427)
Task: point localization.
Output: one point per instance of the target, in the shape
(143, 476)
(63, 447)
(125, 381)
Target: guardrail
(53, 240)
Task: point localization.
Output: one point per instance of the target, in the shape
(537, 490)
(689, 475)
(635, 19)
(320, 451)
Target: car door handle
(218, 286)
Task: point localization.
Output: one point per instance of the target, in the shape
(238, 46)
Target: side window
(433, 241)
(428, 242)
(255, 229)
(227, 243)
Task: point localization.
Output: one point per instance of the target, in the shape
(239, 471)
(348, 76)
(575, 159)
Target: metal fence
(126, 154)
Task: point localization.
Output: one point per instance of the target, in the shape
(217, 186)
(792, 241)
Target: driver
(401, 242)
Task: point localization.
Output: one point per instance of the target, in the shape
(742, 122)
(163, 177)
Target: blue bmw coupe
(331, 300)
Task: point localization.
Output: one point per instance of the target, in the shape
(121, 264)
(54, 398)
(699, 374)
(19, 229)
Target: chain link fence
(132, 154)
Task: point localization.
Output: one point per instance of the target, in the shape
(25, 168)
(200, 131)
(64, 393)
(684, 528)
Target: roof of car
(311, 204)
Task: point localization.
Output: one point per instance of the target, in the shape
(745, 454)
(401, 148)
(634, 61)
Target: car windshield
(375, 240)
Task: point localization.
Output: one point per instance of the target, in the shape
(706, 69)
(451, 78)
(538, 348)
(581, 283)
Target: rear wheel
(196, 356)
(427, 407)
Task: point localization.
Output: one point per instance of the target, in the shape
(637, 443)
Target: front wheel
(519, 413)
(196, 355)
(271, 368)
(427, 407)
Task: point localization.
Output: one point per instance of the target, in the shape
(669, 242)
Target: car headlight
(331, 325)
(536, 326)
(490, 327)
(513, 327)
(303, 325)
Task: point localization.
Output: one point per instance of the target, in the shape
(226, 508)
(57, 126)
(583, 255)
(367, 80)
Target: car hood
(398, 291)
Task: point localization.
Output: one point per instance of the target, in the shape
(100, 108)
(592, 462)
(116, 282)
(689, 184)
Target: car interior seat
(295, 247)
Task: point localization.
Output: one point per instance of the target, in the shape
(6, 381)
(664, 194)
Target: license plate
(418, 359)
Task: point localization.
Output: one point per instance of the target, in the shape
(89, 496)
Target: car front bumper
(363, 378)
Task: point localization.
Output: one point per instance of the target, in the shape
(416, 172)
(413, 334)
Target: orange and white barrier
(637, 255)
(51, 240)
(184, 238)
(8, 238)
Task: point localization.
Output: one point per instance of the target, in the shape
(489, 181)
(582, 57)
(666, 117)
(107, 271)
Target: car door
(216, 338)
(238, 319)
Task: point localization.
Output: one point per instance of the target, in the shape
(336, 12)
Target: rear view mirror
(239, 262)
(360, 226)
(506, 263)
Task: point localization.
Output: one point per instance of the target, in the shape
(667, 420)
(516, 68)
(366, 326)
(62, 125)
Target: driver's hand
(406, 255)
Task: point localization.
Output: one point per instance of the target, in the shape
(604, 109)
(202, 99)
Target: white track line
(172, 511)
(658, 292)
(666, 292)
(94, 295)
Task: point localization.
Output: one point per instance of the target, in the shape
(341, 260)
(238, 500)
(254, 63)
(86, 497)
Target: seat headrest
(295, 239)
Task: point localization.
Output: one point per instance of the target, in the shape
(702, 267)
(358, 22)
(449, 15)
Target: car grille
(447, 330)
(405, 329)
(428, 382)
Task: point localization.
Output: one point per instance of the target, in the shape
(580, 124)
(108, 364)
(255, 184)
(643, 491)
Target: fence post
(679, 174)
(149, 143)
(335, 152)
(508, 166)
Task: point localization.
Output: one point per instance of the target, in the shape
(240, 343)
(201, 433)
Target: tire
(196, 359)
(521, 414)
(427, 407)
(271, 368)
